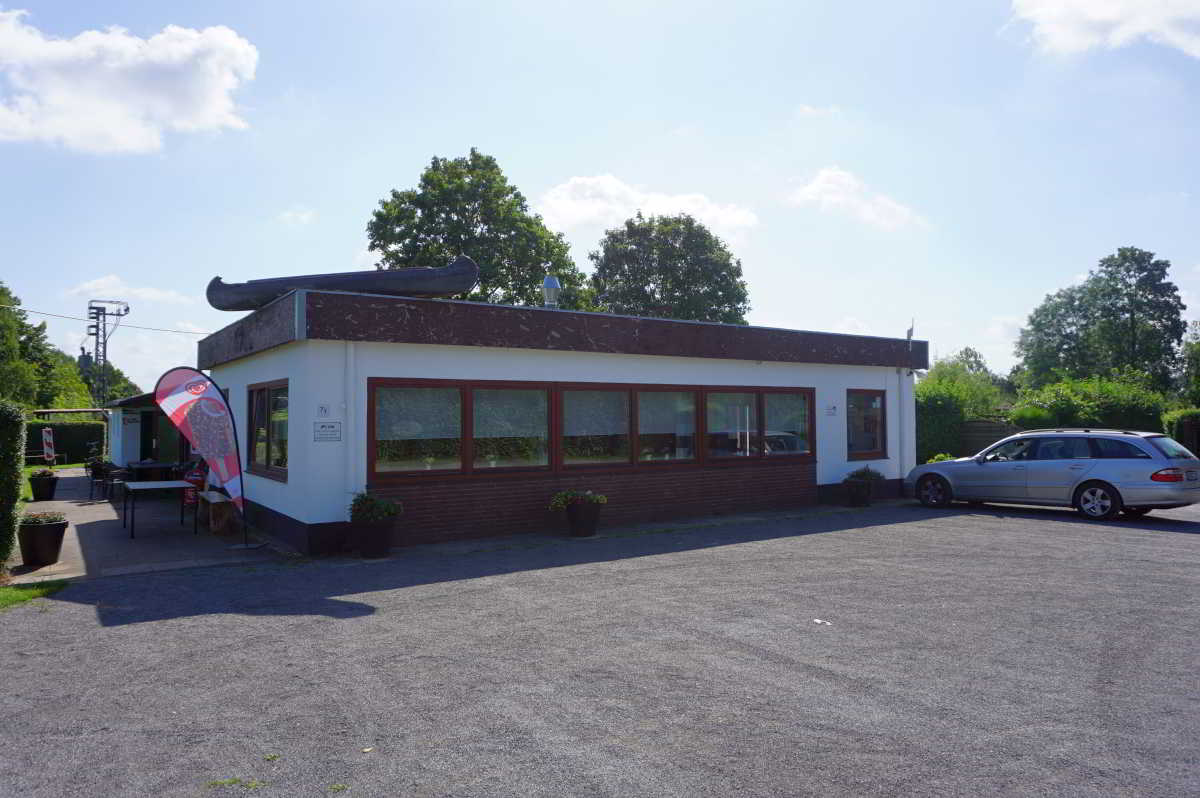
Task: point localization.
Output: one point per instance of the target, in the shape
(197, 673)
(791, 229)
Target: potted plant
(371, 522)
(42, 482)
(583, 510)
(860, 486)
(41, 537)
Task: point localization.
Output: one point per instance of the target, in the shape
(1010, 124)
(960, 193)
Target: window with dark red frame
(866, 424)
(426, 427)
(267, 447)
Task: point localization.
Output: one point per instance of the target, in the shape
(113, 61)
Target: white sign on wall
(327, 430)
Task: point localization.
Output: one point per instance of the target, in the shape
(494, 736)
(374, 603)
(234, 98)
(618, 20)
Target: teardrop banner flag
(200, 411)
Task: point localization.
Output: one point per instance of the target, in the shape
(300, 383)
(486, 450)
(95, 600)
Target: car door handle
(1018, 468)
(1076, 467)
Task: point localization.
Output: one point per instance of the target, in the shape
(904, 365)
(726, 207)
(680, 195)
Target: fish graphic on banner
(200, 411)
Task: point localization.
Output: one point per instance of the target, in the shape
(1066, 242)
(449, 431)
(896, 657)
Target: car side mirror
(980, 459)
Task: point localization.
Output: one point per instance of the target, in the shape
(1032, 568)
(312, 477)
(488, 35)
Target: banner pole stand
(246, 544)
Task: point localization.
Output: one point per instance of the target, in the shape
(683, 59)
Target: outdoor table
(129, 506)
(155, 468)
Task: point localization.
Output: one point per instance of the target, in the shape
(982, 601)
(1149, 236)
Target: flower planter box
(41, 544)
(582, 518)
(43, 488)
(858, 492)
(373, 540)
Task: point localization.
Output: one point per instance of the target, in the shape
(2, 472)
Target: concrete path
(96, 544)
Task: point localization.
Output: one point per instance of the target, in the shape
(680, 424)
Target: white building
(473, 415)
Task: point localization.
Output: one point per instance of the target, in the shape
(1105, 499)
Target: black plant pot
(583, 518)
(43, 488)
(41, 543)
(373, 540)
(858, 492)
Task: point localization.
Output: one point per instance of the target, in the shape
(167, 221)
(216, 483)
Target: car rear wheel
(1136, 512)
(933, 491)
(1098, 501)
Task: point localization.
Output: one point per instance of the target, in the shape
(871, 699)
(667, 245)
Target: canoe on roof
(458, 277)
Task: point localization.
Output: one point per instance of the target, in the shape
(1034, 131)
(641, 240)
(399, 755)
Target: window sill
(277, 474)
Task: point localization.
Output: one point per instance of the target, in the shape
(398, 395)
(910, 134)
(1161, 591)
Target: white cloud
(365, 259)
(110, 286)
(608, 201)
(853, 326)
(111, 91)
(297, 216)
(1073, 26)
(835, 189)
(803, 111)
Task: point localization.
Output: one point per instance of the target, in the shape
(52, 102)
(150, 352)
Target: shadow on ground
(319, 587)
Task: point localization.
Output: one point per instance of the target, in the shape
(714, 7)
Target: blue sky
(868, 162)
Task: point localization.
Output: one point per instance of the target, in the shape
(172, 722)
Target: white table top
(159, 485)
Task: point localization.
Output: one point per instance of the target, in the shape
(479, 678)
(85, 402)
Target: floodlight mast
(98, 315)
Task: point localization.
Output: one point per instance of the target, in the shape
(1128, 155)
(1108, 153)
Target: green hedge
(1094, 402)
(71, 438)
(12, 468)
(1184, 426)
(940, 416)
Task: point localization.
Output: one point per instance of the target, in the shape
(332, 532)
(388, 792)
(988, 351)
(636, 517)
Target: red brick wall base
(455, 509)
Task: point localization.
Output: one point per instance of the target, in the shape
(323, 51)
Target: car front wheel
(933, 491)
(1098, 501)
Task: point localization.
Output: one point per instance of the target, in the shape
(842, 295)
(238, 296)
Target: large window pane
(258, 427)
(418, 429)
(787, 423)
(732, 424)
(864, 422)
(279, 427)
(666, 425)
(511, 428)
(595, 427)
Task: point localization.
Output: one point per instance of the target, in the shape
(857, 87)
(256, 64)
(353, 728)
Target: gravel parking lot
(964, 652)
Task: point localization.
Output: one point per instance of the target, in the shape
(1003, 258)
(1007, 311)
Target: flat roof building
(473, 415)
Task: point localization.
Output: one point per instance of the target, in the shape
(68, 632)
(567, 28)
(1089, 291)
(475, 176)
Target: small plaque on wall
(327, 430)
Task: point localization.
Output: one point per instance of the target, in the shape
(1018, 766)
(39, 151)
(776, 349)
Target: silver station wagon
(1098, 472)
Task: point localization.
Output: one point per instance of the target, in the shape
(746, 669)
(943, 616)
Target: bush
(865, 473)
(367, 509)
(560, 500)
(1031, 417)
(939, 457)
(72, 439)
(12, 467)
(940, 416)
(1094, 402)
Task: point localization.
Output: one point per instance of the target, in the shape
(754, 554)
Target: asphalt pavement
(892, 651)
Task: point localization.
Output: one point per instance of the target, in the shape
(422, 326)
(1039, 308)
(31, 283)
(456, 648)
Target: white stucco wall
(323, 475)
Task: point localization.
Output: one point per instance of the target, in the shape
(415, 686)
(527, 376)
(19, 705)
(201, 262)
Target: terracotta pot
(41, 544)
(374, 539)
(43, 488)
(583, 518)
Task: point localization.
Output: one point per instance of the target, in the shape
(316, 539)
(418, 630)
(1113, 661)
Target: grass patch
(26, 491)
(17, 594)
(249, 784)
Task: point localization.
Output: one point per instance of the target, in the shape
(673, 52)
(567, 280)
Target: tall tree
(1125, 316)
(466, 206)
(669, 266)
(18, 377)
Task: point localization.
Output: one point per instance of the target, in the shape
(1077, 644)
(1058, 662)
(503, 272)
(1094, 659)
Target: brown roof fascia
(339, 316)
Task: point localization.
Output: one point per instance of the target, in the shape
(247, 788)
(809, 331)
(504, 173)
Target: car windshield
(1171, 448)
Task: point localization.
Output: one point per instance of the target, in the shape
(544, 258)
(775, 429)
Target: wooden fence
(978, 435)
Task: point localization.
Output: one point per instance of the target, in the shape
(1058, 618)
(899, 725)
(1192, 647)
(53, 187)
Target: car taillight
(1168, 475)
